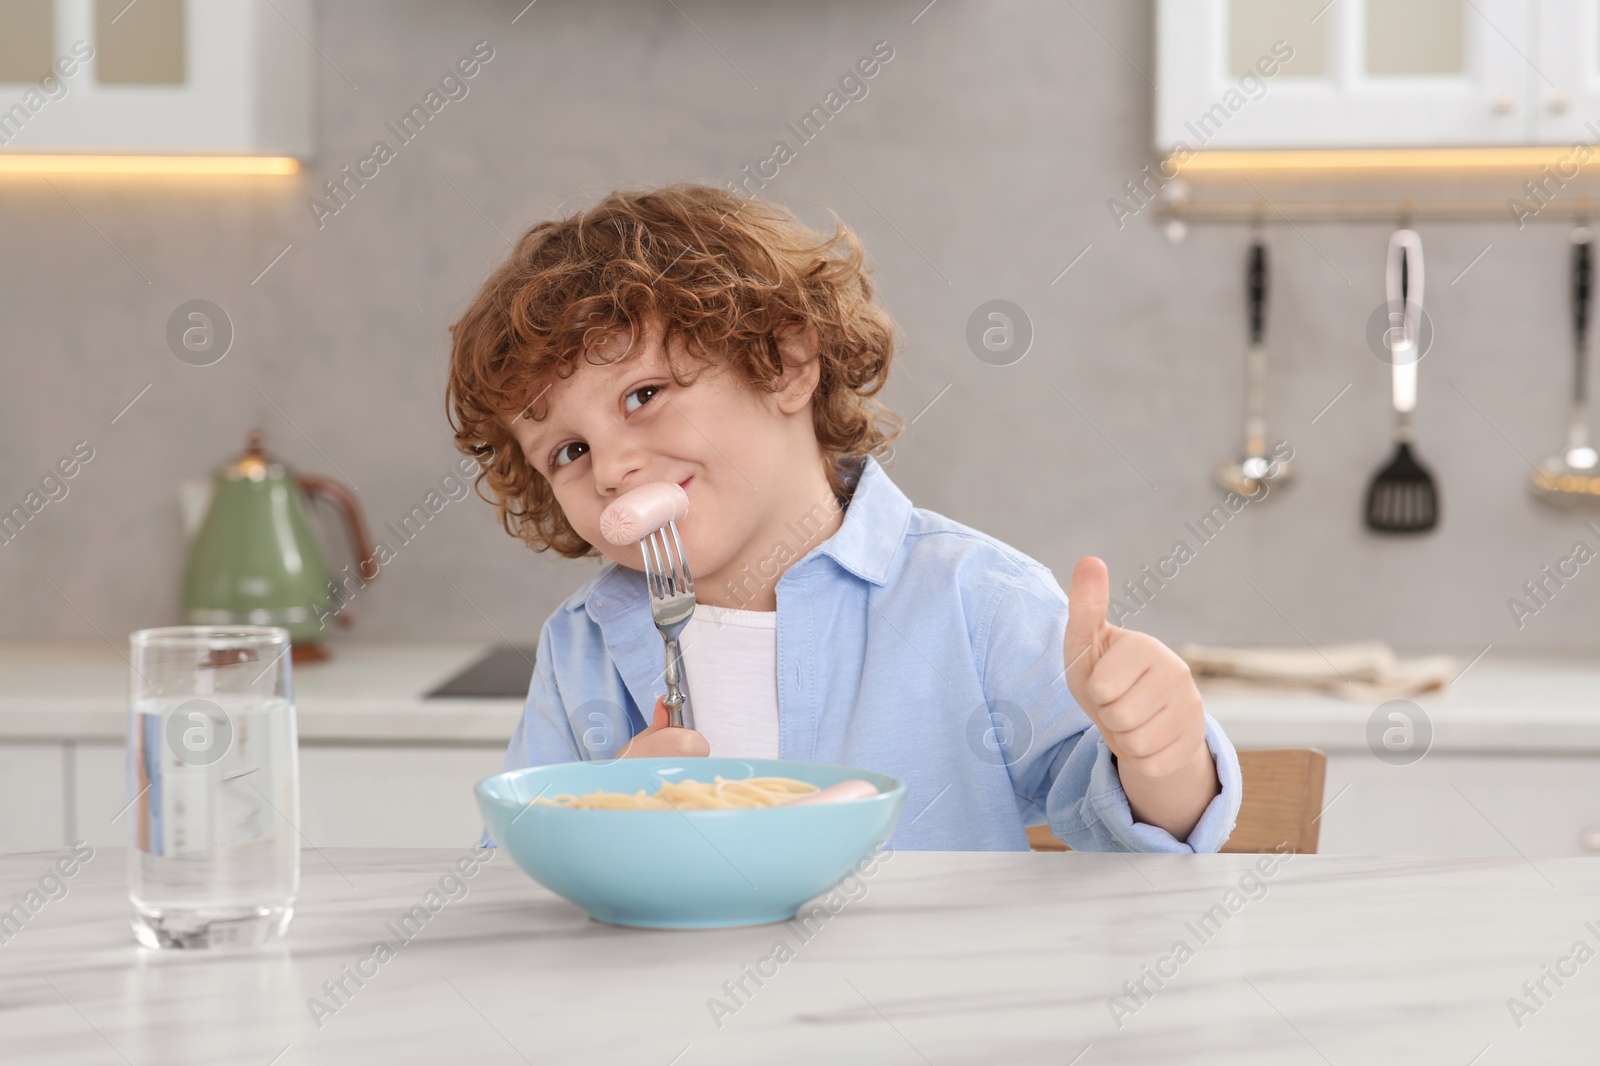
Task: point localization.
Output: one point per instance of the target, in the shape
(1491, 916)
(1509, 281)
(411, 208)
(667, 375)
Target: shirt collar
(874, 525)
(865, 544)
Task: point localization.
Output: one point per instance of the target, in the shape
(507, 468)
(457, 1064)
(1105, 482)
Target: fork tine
(671, 582)
(682, 560)
(651, 575)
(660, 586)
(658, 548)
(666, 571)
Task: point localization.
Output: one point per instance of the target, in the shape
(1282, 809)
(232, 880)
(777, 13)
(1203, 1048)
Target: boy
(689, 335)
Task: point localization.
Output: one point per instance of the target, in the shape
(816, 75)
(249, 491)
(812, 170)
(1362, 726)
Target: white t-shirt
(730, 678)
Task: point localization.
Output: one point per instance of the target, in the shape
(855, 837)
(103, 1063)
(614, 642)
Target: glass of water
(213, 786)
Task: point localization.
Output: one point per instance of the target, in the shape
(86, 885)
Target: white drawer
(32, 797)
(1462, 805)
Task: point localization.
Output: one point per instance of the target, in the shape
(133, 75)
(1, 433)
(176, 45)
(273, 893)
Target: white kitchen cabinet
(377, 797)
(163, 76)
(414, 796)
(1536, 806)
(32, 789)
(399, 796)
(1375, 73)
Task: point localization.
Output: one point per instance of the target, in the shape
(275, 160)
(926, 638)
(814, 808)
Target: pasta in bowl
(688, 843)
(720, 794)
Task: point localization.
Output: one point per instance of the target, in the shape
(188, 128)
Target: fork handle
(674, 700)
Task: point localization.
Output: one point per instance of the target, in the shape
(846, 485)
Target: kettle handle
(336, 493)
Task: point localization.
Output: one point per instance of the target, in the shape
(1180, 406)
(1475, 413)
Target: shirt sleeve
(1061, 768)
(1106, 819)
(544, 734)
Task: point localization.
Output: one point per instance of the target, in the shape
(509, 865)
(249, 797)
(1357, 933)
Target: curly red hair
(720, 271)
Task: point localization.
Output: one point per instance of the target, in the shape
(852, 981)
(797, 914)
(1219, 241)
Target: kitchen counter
(1310, 959)
(379, 764)
(371, 692)
(1505, 703)
(1513, 764)
(77, 689)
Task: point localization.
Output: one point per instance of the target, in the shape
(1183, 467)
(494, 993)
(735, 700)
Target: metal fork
(671, 605)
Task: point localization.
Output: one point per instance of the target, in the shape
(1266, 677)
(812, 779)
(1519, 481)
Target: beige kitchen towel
(1364, 671)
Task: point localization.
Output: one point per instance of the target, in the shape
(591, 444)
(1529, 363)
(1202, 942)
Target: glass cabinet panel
(27, 40)
(1254, 25)
(1411, 37)
(139, 43)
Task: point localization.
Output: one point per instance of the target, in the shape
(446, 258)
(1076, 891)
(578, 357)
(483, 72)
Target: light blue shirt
(908, 644)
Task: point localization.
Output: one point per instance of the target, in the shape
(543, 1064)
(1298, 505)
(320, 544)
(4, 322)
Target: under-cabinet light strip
(1375, 159)
(39, 163)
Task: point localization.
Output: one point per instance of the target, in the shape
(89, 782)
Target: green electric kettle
(254, 560)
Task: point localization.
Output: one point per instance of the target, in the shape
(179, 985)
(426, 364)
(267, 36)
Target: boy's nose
(618, 468)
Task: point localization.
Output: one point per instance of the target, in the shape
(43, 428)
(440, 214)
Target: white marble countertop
(366, 692)
(1505, 702)
(1324, 959)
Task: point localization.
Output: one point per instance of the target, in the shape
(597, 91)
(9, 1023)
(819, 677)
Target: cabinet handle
(1504, 104)
(1556, 101)
(1589, 840)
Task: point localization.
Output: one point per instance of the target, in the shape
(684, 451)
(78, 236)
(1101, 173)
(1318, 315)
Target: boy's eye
(566, 454)
(651, 389)
(562, 455)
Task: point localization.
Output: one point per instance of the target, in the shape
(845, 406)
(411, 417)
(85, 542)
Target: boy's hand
(1143, 698)
(1135, 688)
(663, 740)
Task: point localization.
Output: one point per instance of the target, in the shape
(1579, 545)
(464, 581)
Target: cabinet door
(32, 797)
(1360, 73)
(1462, 805)
(392, 797)
(100, 807)
(1568, 75)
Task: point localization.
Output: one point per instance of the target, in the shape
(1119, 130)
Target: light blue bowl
(685, 869)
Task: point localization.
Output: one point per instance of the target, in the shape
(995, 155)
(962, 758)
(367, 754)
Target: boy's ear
(798, 345)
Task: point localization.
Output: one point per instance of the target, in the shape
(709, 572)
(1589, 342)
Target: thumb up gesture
(1137, 690)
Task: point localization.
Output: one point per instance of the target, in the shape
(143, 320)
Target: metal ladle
(1253, 471)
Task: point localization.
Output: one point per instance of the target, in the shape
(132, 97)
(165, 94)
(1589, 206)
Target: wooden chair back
(1282, 803)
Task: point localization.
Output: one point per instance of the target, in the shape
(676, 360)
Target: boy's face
(741, 455)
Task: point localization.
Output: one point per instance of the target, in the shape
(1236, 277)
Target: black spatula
(1402, 497)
